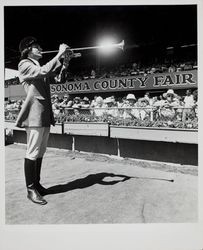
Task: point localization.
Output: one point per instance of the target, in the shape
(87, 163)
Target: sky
(147, 30)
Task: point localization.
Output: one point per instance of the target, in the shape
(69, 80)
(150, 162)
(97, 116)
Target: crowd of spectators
(123, 70)
(132, 69)
(167, 106)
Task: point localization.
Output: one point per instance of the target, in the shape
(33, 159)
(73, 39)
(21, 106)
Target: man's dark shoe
(34, 196)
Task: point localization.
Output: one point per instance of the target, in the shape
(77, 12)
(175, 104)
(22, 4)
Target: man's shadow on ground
(87, 181)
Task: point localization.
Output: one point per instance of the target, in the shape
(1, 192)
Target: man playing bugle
(36, 113)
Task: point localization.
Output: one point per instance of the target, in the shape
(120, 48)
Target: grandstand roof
(10, 74)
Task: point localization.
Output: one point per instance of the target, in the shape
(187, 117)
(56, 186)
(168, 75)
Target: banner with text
(176, 80)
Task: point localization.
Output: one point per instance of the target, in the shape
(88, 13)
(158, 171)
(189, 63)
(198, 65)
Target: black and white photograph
(101, 114)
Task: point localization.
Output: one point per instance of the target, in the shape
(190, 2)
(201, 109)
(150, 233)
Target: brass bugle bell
(116, 45)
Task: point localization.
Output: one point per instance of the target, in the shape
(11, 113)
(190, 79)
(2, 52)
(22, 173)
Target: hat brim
(26, 43)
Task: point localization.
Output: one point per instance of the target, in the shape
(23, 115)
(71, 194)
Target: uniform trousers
(37, 138)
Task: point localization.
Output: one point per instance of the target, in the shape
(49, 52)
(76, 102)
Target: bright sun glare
(107, 45)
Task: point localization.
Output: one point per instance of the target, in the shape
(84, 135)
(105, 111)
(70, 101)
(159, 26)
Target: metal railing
(149, 116)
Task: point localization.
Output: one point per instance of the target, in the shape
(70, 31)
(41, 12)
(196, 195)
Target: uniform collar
(34, 61)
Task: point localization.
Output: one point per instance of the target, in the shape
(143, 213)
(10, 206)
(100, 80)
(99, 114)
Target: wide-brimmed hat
(99, 99)
(26, 42)
(86, 99)
(170, 92)
(54, 96)
(130, 97)
(108, 100)
(77, 98)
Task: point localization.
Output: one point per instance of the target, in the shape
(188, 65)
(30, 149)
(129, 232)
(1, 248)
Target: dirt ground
(89, 188)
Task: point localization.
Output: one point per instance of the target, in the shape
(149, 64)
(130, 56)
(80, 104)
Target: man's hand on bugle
(62, 50)
(67, 57)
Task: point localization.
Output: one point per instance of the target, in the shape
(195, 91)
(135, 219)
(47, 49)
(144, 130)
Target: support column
(73, 144)
(118, 148)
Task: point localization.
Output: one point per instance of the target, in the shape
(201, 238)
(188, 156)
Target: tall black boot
(42, 191)
(32, 193)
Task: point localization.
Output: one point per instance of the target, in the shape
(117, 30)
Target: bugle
(117, 45)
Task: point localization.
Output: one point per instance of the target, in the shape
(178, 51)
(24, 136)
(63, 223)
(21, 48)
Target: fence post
(118, 148)
(152, 115)
(62, 128)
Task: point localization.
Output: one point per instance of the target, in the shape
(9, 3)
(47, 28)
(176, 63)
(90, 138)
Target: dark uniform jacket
(36, 110)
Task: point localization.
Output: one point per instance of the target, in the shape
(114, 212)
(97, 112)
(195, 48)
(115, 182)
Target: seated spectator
(178, 69)
(147, 97)
(160, 101)
(10, 104)
(55, 98)
(171, 98)
(93, 103)
(110, 108)
(157, 103)
(160, 97)
(76, 102)
(120, 102)
(114, 101)
(18, 104)
(143, 102)
(152, 70)
(167, 108)
(134, 70)
(189, 99)
(130, 110)
(154, 100)
(99, 108)
(93, 74)
(182, 67)
(55, 104)
(56, 110)
(163, 69)
(85, 102)
(188, 66)
(188, 105)
(142, 72)
(12, 108)
(134, 66)
(171, 69)
(66, 103)
(179, 111)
